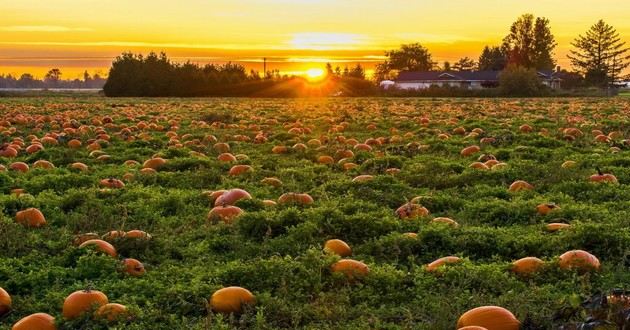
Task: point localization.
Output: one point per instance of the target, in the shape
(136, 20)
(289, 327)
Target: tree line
(155, 75)
(52, 79)
(598, 57)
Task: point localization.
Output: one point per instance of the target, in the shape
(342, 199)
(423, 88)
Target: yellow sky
(295, 34)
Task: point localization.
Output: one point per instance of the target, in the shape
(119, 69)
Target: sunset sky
(296, 35)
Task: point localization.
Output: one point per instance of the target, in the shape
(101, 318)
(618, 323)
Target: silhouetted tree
(410, 57)
(600, 55)
(464, 64)
(53, 77)
(530, 43)
(492, 59)
(446, 66)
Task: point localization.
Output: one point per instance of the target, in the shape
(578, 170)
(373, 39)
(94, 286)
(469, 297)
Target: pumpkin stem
(599, 171)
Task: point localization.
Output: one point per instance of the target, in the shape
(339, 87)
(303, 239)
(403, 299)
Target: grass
(276, 252)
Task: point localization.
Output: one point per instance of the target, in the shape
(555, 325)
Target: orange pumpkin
(133, 267)
(112, 183)
(79, 166)
(489, 317)
(101, 246)
(603, 177)
(338, 247)
(231, 299)
(470, 151)
(74, 144)
(294, 198)
(274, 182)
(82, 301)
(5, 302)
(555, 226)
(30, 217)
(411, 210)
(79, 239)
(137, 234)
(19, 166)
(473, 327)
(226, 157)
(154, 163)
(526, 266)
(447, 221)
(580, 260)
(240, 169)
(37, 321)
(520, 185)
(351, 268)
(363, 178)
(111, 312)
(442, 261)
(226, 213)
(231, 196)
(544, 209)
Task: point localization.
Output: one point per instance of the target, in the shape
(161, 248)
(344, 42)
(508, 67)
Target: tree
(530, 43)
(329, 69)
(464, 64)
(492, 59)
(600, 55)
(446, 66)
(26, 81)
(357, 72)
(520, 81)
(410, 57)
(53, 77)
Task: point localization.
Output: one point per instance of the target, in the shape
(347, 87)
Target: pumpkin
(544, 209)
(148, 171)
(489, 317)
(231, 299)
(19, 166)
(112, 183)
(283, 149)
(603, 177)
(225, 213)
(363, 178)
(79, 239)
(114, 234)
(274, 182)
(30, 217)
(526, 266)
(226, 157)
(231, 196)
(555, 226)
(525, 128)
(411, 210)
(5, 302)
(338, 247)
(269, 202)
(37, 321)
(580, 260)
(473, 327)
(74, 144)
(351, 268)
(111, 312)
(520, 185)
(133, 267)
(442, 261)
(221, 147)
(447, 221)
(470, 151)
(295, 198)
(479, 166)
(240, 169)
(138, 234)
(79, 166)
(154, 163)
(349, 166)
(325, 160)
(101, 246)
(82, 301)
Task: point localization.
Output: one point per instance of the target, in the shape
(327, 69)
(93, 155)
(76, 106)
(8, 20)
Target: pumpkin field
(331, 213)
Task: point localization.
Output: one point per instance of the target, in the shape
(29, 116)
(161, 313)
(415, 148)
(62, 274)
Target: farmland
(370, 165)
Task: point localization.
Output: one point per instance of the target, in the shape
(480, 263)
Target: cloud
(42, 28)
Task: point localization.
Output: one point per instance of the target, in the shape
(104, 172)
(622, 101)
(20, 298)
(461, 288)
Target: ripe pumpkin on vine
(231, 299)
(82, 301)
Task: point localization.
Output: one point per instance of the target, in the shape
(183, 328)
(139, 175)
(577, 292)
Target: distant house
(463, 79)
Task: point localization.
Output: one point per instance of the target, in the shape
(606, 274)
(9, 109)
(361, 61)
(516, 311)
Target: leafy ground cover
(407, 152)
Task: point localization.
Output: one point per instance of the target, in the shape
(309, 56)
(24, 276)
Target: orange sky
(295, 35)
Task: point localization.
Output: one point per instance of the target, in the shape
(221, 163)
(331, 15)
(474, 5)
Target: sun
(315, 74)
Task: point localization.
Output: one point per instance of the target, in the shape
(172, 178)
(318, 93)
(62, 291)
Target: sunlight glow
(315, 74)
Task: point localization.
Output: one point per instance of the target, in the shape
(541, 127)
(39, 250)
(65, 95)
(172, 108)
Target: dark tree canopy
(600, 55)
(530, 43)
(465, 64)
(492, 59)
(410, 57)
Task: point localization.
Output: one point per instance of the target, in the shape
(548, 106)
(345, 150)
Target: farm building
(462, 79)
